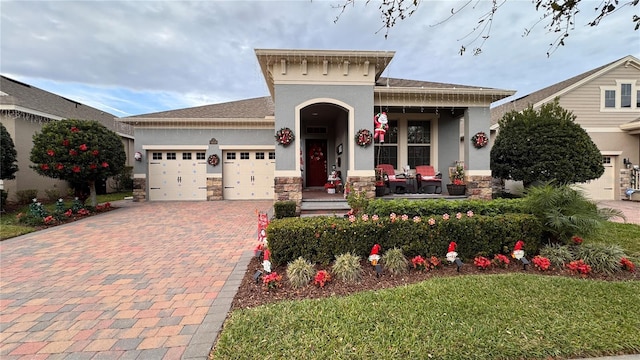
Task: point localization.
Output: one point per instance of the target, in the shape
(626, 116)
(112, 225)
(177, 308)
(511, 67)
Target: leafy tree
(79, 151)
(544, 145)
(559, 14)
(8, 154)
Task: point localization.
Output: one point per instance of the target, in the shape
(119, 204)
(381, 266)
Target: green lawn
(9, 226)
(515, 316)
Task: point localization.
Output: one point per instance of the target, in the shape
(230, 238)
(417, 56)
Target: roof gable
(548, 93)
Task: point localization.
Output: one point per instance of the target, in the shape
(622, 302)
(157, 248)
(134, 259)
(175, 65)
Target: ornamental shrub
(284, 209)
(603, 258)
(440, 206)
(8, 155)
(394, 261)
(300, 272)
(347, 268)
(558, 254)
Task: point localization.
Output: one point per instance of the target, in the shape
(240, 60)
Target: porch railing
(635, 178)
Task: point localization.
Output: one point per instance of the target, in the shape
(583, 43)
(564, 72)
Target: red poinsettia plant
(579, 267)
(541, 263)
(272, 280)
(419, 263)
(501, 260)
(481, 262)
(322, 277)
(627, 264)
(576, 240)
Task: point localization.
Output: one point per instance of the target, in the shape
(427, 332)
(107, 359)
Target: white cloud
(147, 56)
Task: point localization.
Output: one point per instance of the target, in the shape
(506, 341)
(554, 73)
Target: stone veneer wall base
(479, 187)
(214, 189)
(289, 188)
(139, 189)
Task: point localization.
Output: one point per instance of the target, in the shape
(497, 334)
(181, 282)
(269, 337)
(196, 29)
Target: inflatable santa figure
(375, 256)
(518, 253)
(451, 252)
(266, 264)
(380, 121)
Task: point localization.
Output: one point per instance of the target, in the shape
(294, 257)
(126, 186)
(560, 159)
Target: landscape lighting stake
(257, 275)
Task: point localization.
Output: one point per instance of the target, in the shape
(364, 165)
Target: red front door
(316, 161)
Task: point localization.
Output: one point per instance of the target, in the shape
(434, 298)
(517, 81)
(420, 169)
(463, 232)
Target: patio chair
(428, 180)
(393, 181)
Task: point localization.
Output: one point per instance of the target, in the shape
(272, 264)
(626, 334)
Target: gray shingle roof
(393, 82)
(250, 108)
(29, 97)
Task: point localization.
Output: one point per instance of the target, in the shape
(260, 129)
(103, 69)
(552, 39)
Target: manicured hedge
(320, 239)
(428, 207)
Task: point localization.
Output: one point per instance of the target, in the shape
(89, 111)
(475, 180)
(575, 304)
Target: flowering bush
(272, 280)
(322, 277)
(481, 262)
(284, 136)
(364, 137)
(579, 267)
(501, 260)
(627, 265)
(434, 262)
(541, 263)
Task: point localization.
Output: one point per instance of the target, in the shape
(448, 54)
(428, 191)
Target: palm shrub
(394, 261)
(558, 254)
(603, 258)
(300, 272)
(347, 268)
(565, 211)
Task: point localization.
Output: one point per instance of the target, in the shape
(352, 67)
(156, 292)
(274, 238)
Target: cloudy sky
(136, 57)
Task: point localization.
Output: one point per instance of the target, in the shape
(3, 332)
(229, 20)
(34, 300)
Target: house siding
(584, 101)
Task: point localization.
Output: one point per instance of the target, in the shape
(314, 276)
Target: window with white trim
(623, 96)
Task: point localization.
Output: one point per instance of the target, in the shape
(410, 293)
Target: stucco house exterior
(606, 102)
(24, 109)
(324, 97)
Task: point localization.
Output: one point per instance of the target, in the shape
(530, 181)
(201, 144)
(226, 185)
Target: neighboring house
(606, 102)
(325, 98)
(24, 109)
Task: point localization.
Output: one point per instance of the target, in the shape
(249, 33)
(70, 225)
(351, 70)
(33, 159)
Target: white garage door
(248, 174)
(177, 175)
(604, 187)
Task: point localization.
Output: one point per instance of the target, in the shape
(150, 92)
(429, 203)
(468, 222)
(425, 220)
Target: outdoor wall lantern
(137, 156)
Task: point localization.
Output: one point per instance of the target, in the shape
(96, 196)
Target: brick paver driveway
(146, 281)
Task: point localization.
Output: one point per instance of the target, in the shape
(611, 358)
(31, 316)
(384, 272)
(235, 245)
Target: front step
(323, 207)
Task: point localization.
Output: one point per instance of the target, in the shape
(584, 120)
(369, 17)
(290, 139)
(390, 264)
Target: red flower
(83, 212)
(579, 267)
(419, 262)
(627, 264)
(458, 182)
(95, 152)
(74, 129)
(93, 166)
(50, 152)
(73, 152)
(65, 142)
(49, 219)
(59, 166)
(76, 169)
(105, 164)
(322, 277)
(481, 262)
(501, 260)
(44, 167)
(576, 240)
(68, 213)
(541, 263)
(83, 147)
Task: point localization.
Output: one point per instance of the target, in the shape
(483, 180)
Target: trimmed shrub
(558, 255)
(284, 209)
(603, 258)
(430, 207)
(394, 261)
(52, 194)
(320, 239)
(300, 272)
(347, 268)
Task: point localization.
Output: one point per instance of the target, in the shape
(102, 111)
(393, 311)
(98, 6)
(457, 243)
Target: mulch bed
(251, 294)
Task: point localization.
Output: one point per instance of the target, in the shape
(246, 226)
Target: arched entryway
(324, 129)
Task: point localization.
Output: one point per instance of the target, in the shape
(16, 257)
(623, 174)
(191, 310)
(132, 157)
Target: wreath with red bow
(479, 140)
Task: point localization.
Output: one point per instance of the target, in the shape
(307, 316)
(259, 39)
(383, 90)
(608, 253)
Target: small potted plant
(457, 185)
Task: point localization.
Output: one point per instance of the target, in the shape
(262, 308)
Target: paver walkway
(146, 281)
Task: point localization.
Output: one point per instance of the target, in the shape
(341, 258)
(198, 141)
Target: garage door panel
(248, 174)
(175, 175)
(604, 187)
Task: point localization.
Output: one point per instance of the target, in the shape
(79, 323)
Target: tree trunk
(93, 199)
